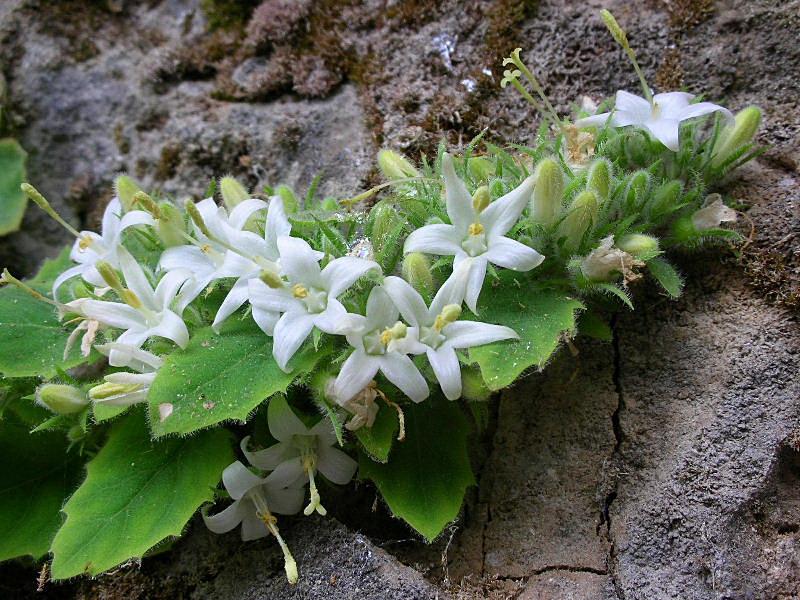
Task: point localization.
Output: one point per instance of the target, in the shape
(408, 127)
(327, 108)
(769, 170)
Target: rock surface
(664, 465)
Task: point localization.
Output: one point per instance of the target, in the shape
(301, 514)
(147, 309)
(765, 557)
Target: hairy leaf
(377, 440)
(12, 175)
(667, 276)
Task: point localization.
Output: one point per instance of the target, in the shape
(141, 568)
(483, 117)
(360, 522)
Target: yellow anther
(205, 248)
(84, 242)
(299, 291)
(449, 314)
(481, 199)
(131, 299)
(475, 229)
(439, 323)
(386, 337)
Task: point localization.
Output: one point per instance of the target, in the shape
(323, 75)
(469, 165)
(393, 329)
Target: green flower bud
(416, 270)
(330, 204)
(598, 178)
(290, 202)
(637, 189)
(741, 132)
(61, 399)
(666, 197)
(147, 203)
(481, 168)
(546, 199)
(125, 188)
(109, 275)
(580, 217)
(473, 388)
(395, 166)
(197, 218)
(638, 245)
(481, 198)
(383, 221)
(233, 192)
(637, 147)
(170, 225)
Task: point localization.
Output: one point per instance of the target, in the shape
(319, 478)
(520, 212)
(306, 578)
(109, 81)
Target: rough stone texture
(665, 465)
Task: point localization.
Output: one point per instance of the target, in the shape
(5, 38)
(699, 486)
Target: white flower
(308, 300)
(476, 235)
(606, 259)
(437, 331)
(213, 259)
(90, 247)
(380, 344)
(254, 501)
(301, 452)
(713, 213)
(126, 389)
(662, 118)
(147, 312)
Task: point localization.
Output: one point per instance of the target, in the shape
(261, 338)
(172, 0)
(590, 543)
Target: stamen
(618, 33)
(386, 336)
(40, 201)
(537, 87)
(197, 218)
(314, 503)
(271, 523)
(350, 202)
(299, 291)
(401, 418)
(147, 203)
(475, 229)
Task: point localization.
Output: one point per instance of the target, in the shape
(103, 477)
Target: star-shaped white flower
(148, 312)
(438, 332)
(301, 452)
(379, 344)
(308, 300)
(126, 388)
(477, 236)
(213, 259)
(90, 247)
(662, 118)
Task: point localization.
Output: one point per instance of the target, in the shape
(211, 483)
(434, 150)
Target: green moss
(228, 14)
(169, 160)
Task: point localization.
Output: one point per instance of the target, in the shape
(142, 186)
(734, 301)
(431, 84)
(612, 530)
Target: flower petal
(266, 319)
(283, 423)
(269, 299)
(466, 334)
(235, 298)
(136, 280)
(111, 219)
(408, 301)
(401, 371)
(238, 480)
(276, 226)
(666, 131)
(299, 261)
(325, 432)
(228, 519)
(357, 371)
(291, 331)
(243, 211)
(333, 319)
(477, 273)
(335, 465)
(597, 120)
(268, 458)
(434, 239)
(381, 311)
(113, 314)
(458, 198)
(167, 288)
(191, 290)
(447, 370)
(672, 104)
(289, 473)
(172, 328)
(630, 109)
(285, 501)
(511, 254)
(501, 215)
(134, 218)
(704, 108)
(134, 357)
(453, 289)
(187, 257)
(343, 272)
(65, 276)
(253, 528)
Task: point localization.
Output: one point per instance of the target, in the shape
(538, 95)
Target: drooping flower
(125, 388)
(477, 232)
(662, 118)
(91, 247)
(254, 500)
(713, 213)
(438, 332)
(379, 344)
(606, 260)
(301, 452)
(308, 299)
(145, 313)
(213, 258)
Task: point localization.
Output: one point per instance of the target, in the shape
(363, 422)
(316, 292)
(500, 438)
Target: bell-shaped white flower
(713, 213)
(146, 313)
(215, 258)
(438, 332)
(662, 118)
(90, 247)
(254, 500)
(379, 343)
(125, 388)
(308, 300)
(477, 233)
(301, 452)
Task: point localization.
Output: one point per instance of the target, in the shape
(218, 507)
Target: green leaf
(667, 276)
(615, 290)
(105, 412)
(12, 175)
(36, 475)
(424, 481)
(32, 340)
(591, 324)
(377, 440)
(136, 494)
(221, 377)
(538, 316)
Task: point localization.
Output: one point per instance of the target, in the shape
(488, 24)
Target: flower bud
(170, 225)
(481, 168)
(636, 191)
(109, 275)
(147, 203)
(395, 166)
(62, 399)
(197, 218)
(481, 199)
(290, 202)
(473, 388)
(416, 270)
(666, 197)
(736, 135)
(547, 192)
(598, 178)
(232, 191)
(383, 222)
(713, 214)
(581, 215)
(639, 245)
(125, 188)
